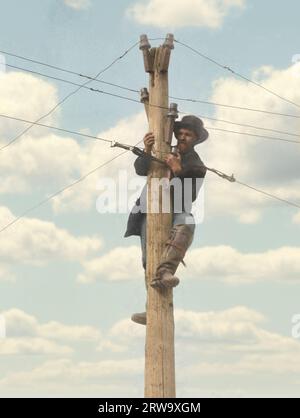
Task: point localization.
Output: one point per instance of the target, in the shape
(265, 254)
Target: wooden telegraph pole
(159, 350)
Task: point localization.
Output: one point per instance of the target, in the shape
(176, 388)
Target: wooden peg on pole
(145, 99)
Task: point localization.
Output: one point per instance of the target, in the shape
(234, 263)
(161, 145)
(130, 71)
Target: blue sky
(239, 293)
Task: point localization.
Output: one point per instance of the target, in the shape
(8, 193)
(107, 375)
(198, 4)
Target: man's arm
(142, 163)
(192, 167)
(174, 163)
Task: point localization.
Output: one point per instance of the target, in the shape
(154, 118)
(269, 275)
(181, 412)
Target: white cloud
(268, 165)
(33, 346)
(112, 347)
(35, 162)
(34, 241)
(225, 263)
(222, 263)
(255, 161)
(38, 157)
(127, 330)
(84, 195)
(65, 376)
(177, 13)
(78, 4)
(227, 338)
(249, 365)
(27, 97)
(30, 164)
(250, 216)
(19, 324)
(230, 342)
(26, 335)
(121, 263)
(5, 274)
(296, 218)
(56, 330)
(260, 159)
(235, 325)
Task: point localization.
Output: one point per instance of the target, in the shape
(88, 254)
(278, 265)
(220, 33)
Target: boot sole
(165, 283)
(138, 320)
(170, 283)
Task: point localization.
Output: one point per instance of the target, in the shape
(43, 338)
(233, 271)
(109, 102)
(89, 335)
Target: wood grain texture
(159, 348)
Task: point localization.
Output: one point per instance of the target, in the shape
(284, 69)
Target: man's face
(186, 139)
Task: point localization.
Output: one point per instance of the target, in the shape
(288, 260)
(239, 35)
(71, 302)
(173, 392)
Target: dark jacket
(192, 168)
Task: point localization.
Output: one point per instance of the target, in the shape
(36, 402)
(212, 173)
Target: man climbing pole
(184, 164)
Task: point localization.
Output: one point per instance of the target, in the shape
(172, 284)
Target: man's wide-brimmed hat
(194, 124)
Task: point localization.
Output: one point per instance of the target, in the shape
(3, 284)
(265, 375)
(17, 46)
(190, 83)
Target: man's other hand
(174, 162)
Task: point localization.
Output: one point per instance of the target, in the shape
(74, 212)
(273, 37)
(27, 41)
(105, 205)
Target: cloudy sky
(69, 280)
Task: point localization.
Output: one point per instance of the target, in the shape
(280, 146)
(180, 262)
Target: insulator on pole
(173, 110)
(144, 43)
(171, 116)
(169, 41)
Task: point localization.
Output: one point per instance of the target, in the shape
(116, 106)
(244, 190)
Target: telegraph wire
(54, 128)
(69, 95)
(192, 100)
(47, 199)
(161, 107)
(219, 173)
(226, 67)
(268, 194)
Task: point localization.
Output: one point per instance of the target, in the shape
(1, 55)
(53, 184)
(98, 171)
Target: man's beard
(183, 146)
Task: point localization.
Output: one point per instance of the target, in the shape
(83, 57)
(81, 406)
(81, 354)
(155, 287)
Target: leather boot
(141, 318)
(180, 239)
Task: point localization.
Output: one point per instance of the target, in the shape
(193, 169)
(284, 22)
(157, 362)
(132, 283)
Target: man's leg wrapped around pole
(181, 237)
